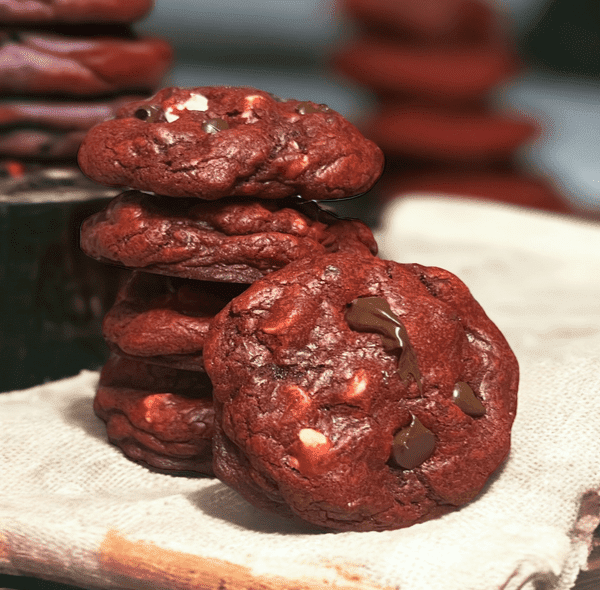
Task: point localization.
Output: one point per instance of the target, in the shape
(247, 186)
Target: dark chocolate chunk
(373, 314)
(215, 125)
(412, 445)
(466, 400)
(150, 114)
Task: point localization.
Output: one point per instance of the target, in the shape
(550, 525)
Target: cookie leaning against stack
(351, 392)
(225, 165)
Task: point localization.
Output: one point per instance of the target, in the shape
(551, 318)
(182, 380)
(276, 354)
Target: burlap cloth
(73, 509)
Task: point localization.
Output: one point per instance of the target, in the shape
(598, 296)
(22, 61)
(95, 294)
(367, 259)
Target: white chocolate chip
(170, 116)
(253, 98)
(250, 102)
(312, 438)
(152, 403)
(196, 102)
(358, 384)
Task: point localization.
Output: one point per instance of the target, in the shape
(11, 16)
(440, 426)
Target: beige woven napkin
(73, 509)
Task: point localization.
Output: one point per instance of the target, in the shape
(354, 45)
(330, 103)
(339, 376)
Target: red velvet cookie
(227, 240)
(160, 417)
(163, 320)
(450, 135)
(511, 187)
(41, 144)
(359, 394)
(214, 142)
(73, 11)
(80, 61)
(426, 19)
(452, 72)
(49, 130)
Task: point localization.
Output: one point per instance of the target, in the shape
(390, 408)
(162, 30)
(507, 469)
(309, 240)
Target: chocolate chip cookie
(158, 416)
(214, 142)
(359, 394)
(227, 240)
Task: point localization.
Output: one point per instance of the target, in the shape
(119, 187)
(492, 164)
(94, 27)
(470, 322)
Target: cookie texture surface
(227, 240)
(359, 394)
(84, 61)
(214, 142)
(163, 320)
(73, 11)
(159, 417)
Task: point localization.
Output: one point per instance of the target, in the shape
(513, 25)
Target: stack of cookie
(225, 166)
(261, 339)
(434, 67)
(66, 66)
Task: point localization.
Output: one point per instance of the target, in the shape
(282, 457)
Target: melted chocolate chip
(150, 114)
(306, 108)
(373, 314)
(466, 400)
(412, 445)
(215, 125)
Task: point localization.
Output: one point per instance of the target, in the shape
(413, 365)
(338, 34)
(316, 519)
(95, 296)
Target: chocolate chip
(373, 314)
(306, 108)
(150, 114)
(276, 98)
(412, 445)
(467, 401)
(215, 125)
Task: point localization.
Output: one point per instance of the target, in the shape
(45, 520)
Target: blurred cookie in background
(435, 70)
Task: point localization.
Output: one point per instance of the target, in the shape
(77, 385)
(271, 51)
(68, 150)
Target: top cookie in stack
(66, 65)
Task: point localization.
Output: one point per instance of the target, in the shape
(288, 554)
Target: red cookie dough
(359, 394)
(159, 417)
(226, 240)
(453, 72)
(73, 11)
(50, 130)
(66, 62)
(450, 135)
(163, 320)
(510, 187)
(214, 142)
